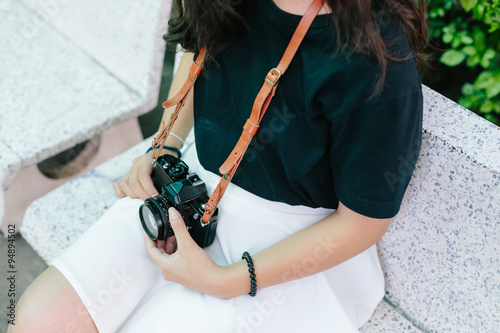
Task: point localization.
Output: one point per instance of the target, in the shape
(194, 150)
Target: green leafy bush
(469, 32)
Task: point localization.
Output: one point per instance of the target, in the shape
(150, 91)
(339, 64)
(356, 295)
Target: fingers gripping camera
(184, 191)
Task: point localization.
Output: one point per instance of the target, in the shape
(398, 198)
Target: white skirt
(123, 290)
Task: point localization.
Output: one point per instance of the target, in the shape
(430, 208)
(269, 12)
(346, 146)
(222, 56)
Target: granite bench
(72, 71)
(440, 255)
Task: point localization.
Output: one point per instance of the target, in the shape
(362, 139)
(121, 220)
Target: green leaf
(447, 38)
(487, 106)
(489, 54)
(497, 107)
(450, 28)
(469, 50)
(493, 85)
(479, 39)
(493, 90)
(483, 79)
(456, 42)
(468, 89)
(490, 82)
(485, 62)
(473, 60)
(468, 4)
(487, 19)
(452, 57)
(448, 4)
(466, 39)
(478, 12)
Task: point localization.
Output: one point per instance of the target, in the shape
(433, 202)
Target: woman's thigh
(108, 270)
(50, 304)
(109, 267)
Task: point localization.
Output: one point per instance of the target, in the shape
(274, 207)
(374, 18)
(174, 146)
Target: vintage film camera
(184, 191)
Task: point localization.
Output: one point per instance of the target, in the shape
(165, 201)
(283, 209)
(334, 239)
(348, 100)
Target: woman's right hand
(137, 183)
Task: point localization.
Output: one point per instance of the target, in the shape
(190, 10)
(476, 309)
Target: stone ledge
(440, 255)
(50, 236)
(127, 47)
(387, 319)
(461, 130)
(72, 70)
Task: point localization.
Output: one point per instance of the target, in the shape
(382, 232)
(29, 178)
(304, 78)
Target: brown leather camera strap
(260, 105)
(179, 99)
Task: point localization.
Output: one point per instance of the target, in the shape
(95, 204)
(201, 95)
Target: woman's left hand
(189, 265)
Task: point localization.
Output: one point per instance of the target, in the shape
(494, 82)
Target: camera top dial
(176, 170)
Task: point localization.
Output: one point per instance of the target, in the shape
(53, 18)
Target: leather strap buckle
(208, 208)
(250, 127)
(273, 76)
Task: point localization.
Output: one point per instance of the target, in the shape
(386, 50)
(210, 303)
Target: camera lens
(154, 218)
(150, 223)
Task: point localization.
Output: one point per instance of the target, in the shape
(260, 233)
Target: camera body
(184, 191)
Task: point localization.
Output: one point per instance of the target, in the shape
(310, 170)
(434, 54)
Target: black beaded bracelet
(251, 270)
(175, 150)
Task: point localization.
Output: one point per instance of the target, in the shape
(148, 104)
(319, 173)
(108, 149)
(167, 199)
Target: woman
(317, 188)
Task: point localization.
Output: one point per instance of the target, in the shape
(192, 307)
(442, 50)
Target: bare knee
(50, 304)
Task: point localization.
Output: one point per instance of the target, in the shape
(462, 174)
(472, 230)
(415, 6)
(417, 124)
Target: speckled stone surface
(133, 29)
(461, 131)
(71, 70)
(440, 255)
(9, 161)
(387, 319)
(54, 222)
(55, 90)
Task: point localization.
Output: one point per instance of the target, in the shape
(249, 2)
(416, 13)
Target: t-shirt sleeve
(373, 154)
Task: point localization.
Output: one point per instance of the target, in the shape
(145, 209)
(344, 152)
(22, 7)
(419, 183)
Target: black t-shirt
(324, 138)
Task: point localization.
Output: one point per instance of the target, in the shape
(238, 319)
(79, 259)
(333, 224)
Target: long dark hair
(217, 23)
